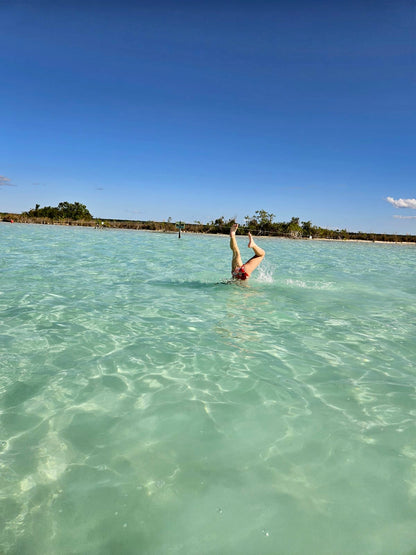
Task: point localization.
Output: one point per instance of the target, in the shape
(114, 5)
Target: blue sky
(196, 110)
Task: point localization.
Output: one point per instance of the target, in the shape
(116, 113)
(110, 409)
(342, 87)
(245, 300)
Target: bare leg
(259, 253)
(236, 261)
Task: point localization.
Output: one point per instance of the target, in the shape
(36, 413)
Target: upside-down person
(238, 269)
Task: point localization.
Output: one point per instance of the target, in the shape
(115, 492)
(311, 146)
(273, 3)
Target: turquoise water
(148, 408)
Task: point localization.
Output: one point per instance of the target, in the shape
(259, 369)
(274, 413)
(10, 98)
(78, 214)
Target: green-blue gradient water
(146, 407)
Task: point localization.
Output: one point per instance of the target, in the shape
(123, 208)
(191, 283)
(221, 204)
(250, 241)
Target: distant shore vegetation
(261, 223)
(64, 211)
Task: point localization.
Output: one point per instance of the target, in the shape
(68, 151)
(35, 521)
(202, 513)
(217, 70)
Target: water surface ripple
(148, 406)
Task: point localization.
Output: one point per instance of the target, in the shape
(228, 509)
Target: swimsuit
(240, 273)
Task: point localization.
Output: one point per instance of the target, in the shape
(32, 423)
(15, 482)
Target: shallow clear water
(147, 407)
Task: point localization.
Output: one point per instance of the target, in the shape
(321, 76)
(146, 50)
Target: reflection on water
(153, 409)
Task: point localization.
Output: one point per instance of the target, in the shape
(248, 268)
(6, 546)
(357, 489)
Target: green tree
(307, 229)
(219, 221)
(265, 219)
(261, 220)
(294, 228)
(75, 211)
(64, 210)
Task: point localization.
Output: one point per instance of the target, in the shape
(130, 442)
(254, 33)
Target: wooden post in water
(179, 226)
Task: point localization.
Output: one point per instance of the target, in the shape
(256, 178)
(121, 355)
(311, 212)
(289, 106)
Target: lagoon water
(148, 407)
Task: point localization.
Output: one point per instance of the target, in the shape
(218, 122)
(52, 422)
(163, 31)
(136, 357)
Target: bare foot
(251, 242)
(233, 229)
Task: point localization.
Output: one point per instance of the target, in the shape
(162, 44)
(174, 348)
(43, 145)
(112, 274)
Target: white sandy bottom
(154, 409)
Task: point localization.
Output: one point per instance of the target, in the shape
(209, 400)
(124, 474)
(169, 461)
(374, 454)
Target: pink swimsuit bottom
(240, 273)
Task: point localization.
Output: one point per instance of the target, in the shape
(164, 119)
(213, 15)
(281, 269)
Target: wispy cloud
(405, 217)
(5, 182)
(402, 202)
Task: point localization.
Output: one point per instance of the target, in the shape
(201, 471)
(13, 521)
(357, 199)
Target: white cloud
(405, 217)
(5, 182)
(402, 202)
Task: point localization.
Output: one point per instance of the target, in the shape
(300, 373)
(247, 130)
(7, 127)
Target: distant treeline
(64, 211)
(261, 223)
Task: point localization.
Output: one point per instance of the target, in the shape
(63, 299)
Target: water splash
(265, 274)
(309, 284)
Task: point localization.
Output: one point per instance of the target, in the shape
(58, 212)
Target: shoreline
(132, 226)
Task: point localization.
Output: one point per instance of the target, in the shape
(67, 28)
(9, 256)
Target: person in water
(238, 269)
